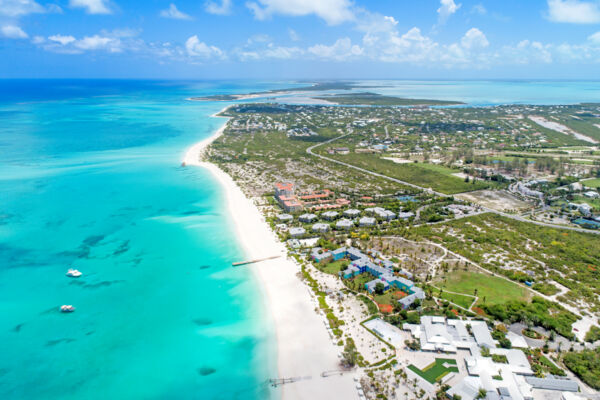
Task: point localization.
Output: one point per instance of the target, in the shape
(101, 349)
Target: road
(429, 190)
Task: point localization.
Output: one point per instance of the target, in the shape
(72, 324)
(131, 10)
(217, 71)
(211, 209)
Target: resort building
(320, 228)
(284, 189)
(367, 221)
(319, 255)
(351, 213)
(344, 224)
(284, 194)
(307, 218)
(297, 232)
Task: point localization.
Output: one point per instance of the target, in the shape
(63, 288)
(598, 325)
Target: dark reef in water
(204, 267)
(202, 321)
(204, 371)
(54, 342)
(123, 248)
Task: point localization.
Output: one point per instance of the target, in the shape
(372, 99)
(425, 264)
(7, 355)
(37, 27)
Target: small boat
(67, 308)
(73, 273)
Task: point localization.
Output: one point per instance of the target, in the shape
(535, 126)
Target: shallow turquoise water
(95, 183)
(90, 179)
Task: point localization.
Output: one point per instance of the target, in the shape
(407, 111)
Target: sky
(300, 39)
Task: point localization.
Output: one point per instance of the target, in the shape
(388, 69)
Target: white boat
(73, 273)
(67, 308)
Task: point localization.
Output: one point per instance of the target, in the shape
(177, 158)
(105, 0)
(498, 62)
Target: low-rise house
(351, 213)
(344, 224)
(406, 215)
(297, 232)
(320, 228)
(330, 215)
(307, 218)
(285, 217)
(367, 221)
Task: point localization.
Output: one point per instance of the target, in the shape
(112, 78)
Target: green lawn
(592, 183)
(333, 267)
(436, 370)
(463, 301)
(495, 290)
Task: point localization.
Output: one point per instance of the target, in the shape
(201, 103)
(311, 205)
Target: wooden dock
(240, 263)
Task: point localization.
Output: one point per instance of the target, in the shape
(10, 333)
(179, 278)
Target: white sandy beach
(304, 348)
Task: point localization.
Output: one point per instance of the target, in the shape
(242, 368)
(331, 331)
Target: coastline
(304, 348)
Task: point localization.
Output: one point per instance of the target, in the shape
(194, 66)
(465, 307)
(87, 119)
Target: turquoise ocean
(90, 178)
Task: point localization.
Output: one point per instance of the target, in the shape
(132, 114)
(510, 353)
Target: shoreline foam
(304, 348)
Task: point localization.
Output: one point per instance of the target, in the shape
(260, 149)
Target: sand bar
(555, 126)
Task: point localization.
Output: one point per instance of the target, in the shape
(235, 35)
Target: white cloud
(64, 40)
(92, 6)
(474, 39)
(479, 9)
(595, 38)
(293, 35)
(98, 42)
(13, 32)
(38, 40)
(574, 11)
(214, 7)
(342, 49)
(447, 8)
(16, 8)
(331, 11)
(195, 48)
(173, 12)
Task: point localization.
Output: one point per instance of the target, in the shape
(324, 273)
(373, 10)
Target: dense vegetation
(586, 365)
(511, 248)
(539, 312)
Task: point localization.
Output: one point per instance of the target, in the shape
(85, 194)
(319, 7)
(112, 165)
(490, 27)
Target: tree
(349, 355)
(379, 288)
(481, 394)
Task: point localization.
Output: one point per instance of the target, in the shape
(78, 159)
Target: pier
(240, 263)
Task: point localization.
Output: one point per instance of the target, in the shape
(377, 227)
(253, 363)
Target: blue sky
(297, 39)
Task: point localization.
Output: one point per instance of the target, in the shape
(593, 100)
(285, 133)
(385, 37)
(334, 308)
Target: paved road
(389, 178)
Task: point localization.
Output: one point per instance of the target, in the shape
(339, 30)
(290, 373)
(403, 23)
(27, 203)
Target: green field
(432, 176)
(436, 370)
(458, 299)
(592, 183)
(495, 290)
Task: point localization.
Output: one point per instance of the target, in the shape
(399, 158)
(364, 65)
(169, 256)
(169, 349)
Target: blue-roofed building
(350, 272)
(319, 255)
(338, 254)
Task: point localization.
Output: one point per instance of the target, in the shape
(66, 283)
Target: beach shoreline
(304, 348)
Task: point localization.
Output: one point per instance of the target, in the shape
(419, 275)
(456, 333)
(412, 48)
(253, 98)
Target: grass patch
(490, 289)
(592, 183)
(437, 177)
(436, 370)
(458, 299)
